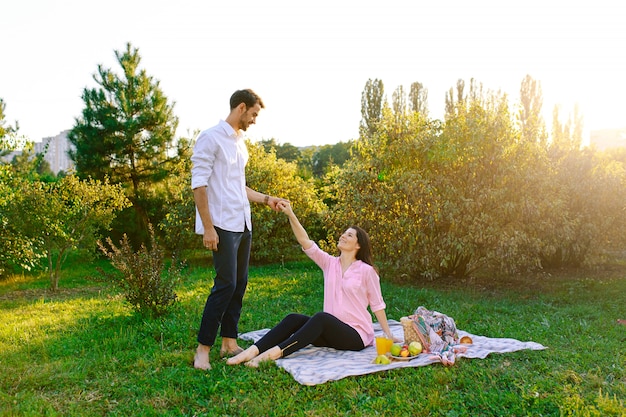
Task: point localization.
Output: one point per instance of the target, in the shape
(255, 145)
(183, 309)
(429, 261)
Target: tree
(398, 101)
(566, 136)
(15, 249)
(125, 133)
(268, 174)
(5, 130)
(178, 222)
(327, 156)
(532, 125)
(382, 188)
(372, 101)
(286, 151)
(452, 104)
(64, 216)
(28, 164)
(418, 99)
(399, 106)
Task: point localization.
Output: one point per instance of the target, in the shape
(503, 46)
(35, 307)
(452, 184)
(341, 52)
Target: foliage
(290, 153)
(313, 160)
(377, 191)
(63, 216)
(327, 156)
(574, 405)
(126, 133)
(477, 191)
(372, 103)
(273, 240)
(286, 151)
(531, 123)
(5, 130)
(591, 199)
(32, 166)
(16, 249)
(177, 226)
(418, 98)
(142, 277)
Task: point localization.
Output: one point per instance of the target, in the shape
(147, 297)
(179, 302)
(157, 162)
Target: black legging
(323, 329)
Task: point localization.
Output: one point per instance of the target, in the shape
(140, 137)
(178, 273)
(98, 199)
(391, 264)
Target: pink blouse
(347, 297)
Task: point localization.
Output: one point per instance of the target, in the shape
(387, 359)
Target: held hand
(285, 207)
(274, 202)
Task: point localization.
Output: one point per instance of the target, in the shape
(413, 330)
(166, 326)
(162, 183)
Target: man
(223, 219)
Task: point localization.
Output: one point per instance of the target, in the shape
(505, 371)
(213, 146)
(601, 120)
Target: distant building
(608, 138)
(56, 154)
(9, 156)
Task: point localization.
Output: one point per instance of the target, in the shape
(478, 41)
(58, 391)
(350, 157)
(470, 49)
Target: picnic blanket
(316, 365)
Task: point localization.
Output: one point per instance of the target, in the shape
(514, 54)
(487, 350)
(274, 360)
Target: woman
(351, 284)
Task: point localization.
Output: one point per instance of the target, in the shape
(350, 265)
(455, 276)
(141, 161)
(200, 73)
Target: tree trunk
(54, 281)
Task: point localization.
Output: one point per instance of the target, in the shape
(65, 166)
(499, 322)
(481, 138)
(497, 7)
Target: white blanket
(316, 365)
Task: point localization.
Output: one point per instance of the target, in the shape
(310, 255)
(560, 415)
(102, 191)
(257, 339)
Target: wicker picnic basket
(410, 330)
(434, 330)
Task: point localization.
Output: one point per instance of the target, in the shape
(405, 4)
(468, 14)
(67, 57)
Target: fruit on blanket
(466, 340)
(395, 349)
(382, 360)
(405, 351)
(415, 348)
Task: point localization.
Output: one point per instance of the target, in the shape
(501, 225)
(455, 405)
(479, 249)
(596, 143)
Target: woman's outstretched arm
(298, 231)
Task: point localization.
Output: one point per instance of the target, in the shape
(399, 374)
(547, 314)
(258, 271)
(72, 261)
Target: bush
(273, 240)
(147, 286)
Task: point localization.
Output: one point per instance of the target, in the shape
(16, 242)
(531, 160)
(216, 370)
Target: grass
(83, 352)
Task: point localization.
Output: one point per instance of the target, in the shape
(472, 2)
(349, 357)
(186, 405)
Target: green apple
(415, 348)
(382, 360)
(395, 349)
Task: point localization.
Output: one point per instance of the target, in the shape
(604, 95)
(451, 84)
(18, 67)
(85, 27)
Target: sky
(310, 61)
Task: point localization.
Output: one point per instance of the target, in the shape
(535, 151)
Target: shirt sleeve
(374, 293)
(321, 258)
(202, 160)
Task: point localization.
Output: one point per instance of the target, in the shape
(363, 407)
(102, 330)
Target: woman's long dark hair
(365, 252)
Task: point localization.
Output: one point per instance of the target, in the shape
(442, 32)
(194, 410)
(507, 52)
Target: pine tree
(126, 131)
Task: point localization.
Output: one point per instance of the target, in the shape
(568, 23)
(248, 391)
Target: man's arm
(257, 197)
(210, 238)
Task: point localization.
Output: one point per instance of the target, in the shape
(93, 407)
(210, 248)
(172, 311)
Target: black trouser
(297, 331)
(223, 305)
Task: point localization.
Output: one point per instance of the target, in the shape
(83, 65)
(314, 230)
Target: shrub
(273, 240)
(147, 286)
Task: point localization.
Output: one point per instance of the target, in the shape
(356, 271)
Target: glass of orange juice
(383, 345)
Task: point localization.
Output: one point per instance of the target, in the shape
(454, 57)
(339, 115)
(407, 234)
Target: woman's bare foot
(244, 356)
(201, 358)
(269, 355)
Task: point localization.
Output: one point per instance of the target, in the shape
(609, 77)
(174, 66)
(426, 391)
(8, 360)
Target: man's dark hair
(247, 97)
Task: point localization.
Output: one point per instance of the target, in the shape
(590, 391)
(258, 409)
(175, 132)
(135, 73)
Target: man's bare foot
(244, 356)
(201, 358)
(269, 355)
(229, 347)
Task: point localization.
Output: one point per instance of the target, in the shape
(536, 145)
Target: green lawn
(83, 352)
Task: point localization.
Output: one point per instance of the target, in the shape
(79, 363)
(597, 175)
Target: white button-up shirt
(219, 161)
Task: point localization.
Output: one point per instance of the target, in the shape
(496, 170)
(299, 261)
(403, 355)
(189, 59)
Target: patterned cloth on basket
(435, 331)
